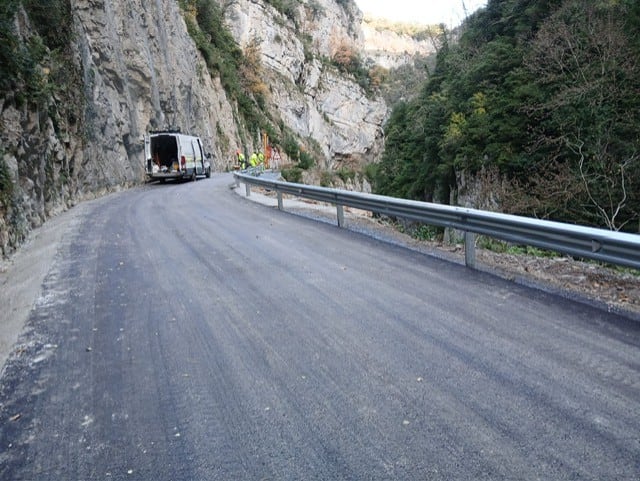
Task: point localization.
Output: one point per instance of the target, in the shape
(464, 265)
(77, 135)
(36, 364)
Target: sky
(449, 12)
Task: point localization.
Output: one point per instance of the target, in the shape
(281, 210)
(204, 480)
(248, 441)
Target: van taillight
(183, 161)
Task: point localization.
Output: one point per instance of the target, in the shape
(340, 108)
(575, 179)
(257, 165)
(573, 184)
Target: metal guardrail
(587, 242)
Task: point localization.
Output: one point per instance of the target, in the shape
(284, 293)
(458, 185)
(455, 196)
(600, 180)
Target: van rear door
(147, 153)
(197, 151)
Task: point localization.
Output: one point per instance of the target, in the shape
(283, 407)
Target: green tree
(540, 94)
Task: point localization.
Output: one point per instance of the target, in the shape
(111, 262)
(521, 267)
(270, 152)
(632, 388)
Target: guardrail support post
(470, 249)
(280, 205)
(247, 189)
(340, 210)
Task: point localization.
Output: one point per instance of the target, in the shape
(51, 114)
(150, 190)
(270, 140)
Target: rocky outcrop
(393, 50)
(141, 72)
(307, 92)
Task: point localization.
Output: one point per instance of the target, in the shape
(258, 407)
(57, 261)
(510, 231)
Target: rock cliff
(133, 66)
(309, 94)
(142, 71)
(392, 50)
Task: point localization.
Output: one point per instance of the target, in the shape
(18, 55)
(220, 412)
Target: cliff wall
(309, 94)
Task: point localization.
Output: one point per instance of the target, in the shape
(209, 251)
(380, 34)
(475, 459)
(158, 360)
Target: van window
(196, 151)
(197, 147)
(186, 149)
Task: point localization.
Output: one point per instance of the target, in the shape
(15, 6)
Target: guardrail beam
(580, 241)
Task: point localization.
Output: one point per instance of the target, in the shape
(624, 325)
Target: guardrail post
(247, 189)
(470, 249)
(340, 210)
(280, 205)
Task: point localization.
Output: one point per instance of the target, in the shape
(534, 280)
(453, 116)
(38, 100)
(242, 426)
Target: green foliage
(502, 247)
(346, 174)
(302, 155)
(427, 232)
(6, 184)
(542, 92)
(306, 160)
(52, 20)
(293, 174)
(291, 146)
(239, 71)
(370, 172)
(586, 61)
(11, 57)
(272, 133)
(350, 63)
(286, 7)
(307, 45)
(404, 82)
(25, 66)
(326, 178)
(221, 53)
(409, 167)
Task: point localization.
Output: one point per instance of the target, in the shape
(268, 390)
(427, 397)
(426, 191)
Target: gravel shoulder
(22, 274)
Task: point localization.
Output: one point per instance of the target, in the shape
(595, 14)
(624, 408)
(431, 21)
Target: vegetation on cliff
(37, 79)
(539, 99)
(240, 73)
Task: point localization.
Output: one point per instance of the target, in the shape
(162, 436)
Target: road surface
(186, 333)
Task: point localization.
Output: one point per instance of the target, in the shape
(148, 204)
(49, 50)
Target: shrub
(306, 160)
(427, 232)
(6, 184)
(294, 174)
(346, 174)
(290, 146)
(221, 53)
(326, 178)
(286, 8)
(370, 172)
(52, 20)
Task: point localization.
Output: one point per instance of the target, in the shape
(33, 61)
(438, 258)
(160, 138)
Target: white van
(173, 155)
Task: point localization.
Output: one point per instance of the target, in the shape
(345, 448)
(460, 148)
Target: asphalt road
(186, 333)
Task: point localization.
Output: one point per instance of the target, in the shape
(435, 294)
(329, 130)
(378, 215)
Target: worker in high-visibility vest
(261, 160)
(253, 160)
(241, 160)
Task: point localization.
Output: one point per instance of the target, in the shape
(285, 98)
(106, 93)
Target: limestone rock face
(392, 50)
(313, 98)
(141, 72)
